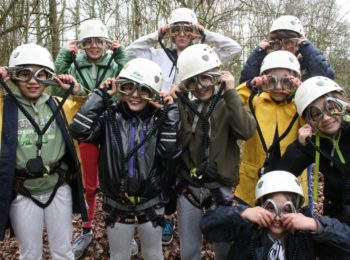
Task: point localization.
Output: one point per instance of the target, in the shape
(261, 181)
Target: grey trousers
(121, 234)
(190, 234)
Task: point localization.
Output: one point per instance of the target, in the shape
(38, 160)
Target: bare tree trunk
(54, 30)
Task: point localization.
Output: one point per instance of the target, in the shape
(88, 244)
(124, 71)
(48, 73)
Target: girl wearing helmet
(323, 140)
(41, 177)
(90, 62)
(136, 134)
(287, 33)
(274, 228)
(211, 125)
(269, 98)
(182, 29)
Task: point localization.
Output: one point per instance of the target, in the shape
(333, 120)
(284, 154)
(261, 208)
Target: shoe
(167, 236)
(134, 248)
(81, 243)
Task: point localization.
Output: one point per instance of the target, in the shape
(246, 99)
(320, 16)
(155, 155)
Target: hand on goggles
(287, 43)
(182, 29)
(286, 83)
(95, 43)
(25, 74)
(204, 80)
(331, 107)
(271, 206)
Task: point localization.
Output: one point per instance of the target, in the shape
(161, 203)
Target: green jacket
(64, 65)
(229, 122)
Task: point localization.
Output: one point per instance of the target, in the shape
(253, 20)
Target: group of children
(160, 133)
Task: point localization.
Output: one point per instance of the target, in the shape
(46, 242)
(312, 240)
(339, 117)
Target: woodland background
(52, 23)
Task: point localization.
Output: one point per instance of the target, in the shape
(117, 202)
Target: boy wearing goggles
(323, 140)
(274, 228)
(270, 98)
(210, 127)
(136, 135)
(41, 176)
(287, 33)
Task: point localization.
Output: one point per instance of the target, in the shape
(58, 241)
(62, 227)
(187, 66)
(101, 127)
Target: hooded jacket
(298, 157)
(64, 64)
(225, 224)
(269, 114)
(143, 171)
(229, 122)
(8, 146)
(226, 49)
(312, 63)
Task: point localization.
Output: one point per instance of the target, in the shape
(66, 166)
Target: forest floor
(99, 250)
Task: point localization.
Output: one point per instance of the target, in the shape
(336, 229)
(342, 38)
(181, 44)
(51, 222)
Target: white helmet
(92, 28)
(278, 181)
(183, 15)
(313, 88)
(143, 71)
(287, 22)
(280, 59)
(31, 54)
(196, 59)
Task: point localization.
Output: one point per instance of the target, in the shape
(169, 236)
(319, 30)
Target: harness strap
(19, 188)
(23, 173)
(131, 207)
(261, 136)
(182, 189)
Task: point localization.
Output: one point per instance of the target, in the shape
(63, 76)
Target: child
(323, 140)
(210, 128)
(90, 67)
(274, 229)
(40, 183)
(276, 116)
(135, 136)
(287, 33)
(183, 29)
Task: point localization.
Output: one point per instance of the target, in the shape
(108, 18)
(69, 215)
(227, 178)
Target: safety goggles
(127, 87)
(204, 80)
(25, 74)
(286, 43)
(285, 83)
(94, 42)
(182, 29)
(331, 107)
(271, 206)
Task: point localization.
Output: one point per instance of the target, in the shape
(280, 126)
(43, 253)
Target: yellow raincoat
(268, 114)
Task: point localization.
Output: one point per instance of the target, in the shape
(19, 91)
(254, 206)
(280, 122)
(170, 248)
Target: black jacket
(225, 224)
(298, 157)
(144, 170)
(312, 63)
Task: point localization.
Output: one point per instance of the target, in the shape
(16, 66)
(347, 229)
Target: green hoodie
(53, 147)
(64, 65)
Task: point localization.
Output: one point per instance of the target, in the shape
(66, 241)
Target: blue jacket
(250, 242)
(8, 126)
(312, 63)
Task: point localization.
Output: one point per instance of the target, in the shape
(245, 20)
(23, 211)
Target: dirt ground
(98, 249)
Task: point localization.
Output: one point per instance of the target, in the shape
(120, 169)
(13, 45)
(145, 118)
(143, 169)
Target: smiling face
(94, 48)
(276, 230)
(327, 124)
(134, 101)
(279, 94)
(31, 89)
